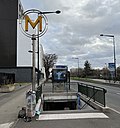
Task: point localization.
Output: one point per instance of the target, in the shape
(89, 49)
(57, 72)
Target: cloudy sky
(75, 32)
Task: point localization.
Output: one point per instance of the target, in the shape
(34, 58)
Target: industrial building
(10, 11)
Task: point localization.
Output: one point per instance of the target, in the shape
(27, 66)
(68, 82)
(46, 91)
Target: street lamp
(30, 51)
(77, 62)
(38, 41)
(114, 51)
(57, 12)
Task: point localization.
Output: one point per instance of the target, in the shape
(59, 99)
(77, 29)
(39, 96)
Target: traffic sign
(111, 66)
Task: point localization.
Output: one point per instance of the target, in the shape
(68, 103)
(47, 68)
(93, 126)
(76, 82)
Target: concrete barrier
(7, 88)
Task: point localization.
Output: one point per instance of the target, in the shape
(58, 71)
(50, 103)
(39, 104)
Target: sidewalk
(71, 119)
(106, 120)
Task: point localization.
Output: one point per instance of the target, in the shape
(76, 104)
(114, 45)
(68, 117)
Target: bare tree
(49, 60)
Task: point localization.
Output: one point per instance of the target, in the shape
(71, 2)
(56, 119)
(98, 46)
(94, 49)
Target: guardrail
(93, 92)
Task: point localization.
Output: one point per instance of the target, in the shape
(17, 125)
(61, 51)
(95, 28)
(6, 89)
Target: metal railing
(93, 92)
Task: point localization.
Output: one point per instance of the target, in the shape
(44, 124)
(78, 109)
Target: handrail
(94, 92)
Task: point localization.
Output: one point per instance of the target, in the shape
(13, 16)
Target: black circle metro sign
(41, 21)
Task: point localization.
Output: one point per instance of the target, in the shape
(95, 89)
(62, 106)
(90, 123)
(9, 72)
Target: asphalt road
(11, 103)
(112, 95)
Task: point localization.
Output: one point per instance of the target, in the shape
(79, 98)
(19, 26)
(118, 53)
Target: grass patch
(86, 80)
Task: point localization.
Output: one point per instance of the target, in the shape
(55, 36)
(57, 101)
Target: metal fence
(93, 92)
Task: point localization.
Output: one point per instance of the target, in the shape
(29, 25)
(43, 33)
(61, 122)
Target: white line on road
(115, 110)
(71, 116)
(6, 125)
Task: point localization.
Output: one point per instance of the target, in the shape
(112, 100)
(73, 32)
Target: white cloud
(75, 32)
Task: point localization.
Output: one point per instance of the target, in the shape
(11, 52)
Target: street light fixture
(57, 12)
(107, 35)
(30, 51)
(113, 49)
(77, 62)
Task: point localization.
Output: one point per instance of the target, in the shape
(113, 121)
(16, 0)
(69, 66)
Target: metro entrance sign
(41, 21)
(111, 67)
(27, 23)
(42, 24)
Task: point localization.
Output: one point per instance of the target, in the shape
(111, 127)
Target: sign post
(42, 23)
(33, 61)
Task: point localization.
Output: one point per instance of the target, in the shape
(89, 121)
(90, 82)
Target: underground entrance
(63, 101)
(51, 106)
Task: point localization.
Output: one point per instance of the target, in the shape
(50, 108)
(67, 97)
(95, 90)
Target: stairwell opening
(53, 106)
(63, 101)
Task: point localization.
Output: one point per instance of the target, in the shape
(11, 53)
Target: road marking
(115, 110)
(6, 125)
(71, 116)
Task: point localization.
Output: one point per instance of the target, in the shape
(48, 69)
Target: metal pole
(115, 72)
(33, 62)
(114, 56)
(78, 67)
(38, 58)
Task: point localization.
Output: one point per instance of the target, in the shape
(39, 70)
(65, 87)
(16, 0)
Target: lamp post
(26, 19)
(38, 41)
(115, 74)
(41, 32)
(78, 63)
